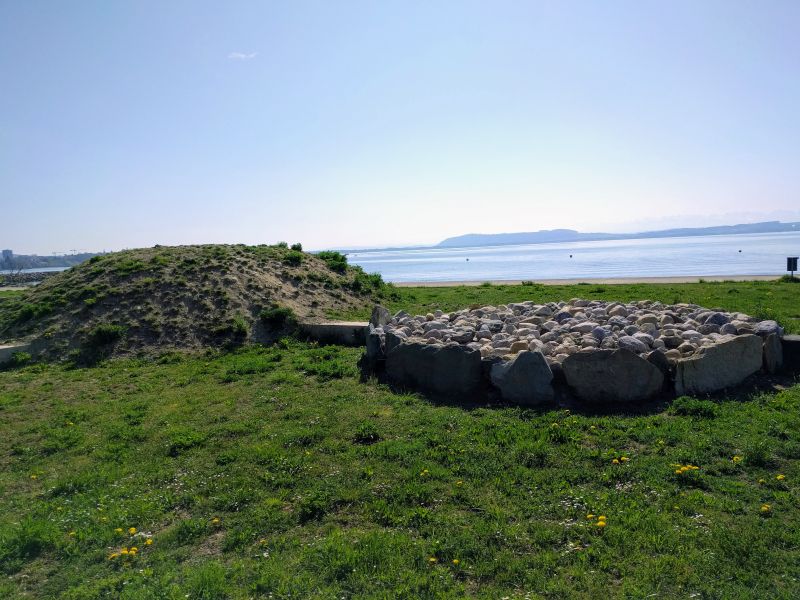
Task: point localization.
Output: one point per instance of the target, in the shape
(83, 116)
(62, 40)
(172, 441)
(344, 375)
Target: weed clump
(19, 359)
(366, 433)
(692, 407)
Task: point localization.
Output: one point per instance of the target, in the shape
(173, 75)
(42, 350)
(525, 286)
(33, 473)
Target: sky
(349, 124)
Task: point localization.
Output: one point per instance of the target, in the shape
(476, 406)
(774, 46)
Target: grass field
(273, 472)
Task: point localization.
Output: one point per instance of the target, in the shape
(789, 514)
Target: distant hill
(570, 235)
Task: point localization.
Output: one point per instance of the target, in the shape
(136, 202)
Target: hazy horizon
(712, 222)
(372, 125)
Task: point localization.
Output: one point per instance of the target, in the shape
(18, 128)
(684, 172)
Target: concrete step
(791, 353)
(344, 333)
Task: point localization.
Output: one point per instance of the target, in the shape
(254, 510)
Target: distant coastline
(550, 236)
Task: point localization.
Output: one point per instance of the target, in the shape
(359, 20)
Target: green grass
(778, 300)
(273, 471)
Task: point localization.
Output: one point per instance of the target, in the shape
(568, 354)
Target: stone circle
(601, 351)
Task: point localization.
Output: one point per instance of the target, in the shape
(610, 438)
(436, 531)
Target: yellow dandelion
(601, 524)
(456, 562)
(148, 542)
(762, 481)
(132, 530)
(72, 534)
(113, 555)
(601, 518)
(34, 476)
(459, 483)
(678, 471)
(589, 517)
(615, 461)
(215, 521)
(765, 508)
(780, 477)
(624, 459)
(118, 530)
(133, 549)
(737, 458)
(433, 560)
(124, 551)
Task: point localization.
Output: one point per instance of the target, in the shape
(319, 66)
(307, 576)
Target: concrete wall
(344, 333)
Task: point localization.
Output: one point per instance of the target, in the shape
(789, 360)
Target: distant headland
(546, 236)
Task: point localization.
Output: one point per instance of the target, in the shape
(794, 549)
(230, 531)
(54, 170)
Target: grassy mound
(184, 297)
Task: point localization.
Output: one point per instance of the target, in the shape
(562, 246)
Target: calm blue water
(761, 254)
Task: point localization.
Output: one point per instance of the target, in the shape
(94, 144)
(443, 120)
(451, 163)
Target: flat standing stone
(612, 376)
(443, 370)
(527, 379)
(722, 365)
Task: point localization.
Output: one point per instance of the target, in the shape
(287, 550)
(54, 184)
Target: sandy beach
(601, 280)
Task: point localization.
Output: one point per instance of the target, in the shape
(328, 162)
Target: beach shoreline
(595, 280)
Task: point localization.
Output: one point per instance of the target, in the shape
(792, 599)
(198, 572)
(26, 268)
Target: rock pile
(603, 351)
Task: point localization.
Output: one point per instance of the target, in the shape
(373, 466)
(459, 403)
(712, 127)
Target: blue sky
(127, 124)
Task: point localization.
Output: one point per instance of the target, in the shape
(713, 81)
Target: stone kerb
(605, 352)
(611, 376)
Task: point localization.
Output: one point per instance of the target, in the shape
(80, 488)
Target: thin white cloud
(242, 55)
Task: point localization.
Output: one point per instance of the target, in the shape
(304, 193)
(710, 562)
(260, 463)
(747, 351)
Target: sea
(714, 255)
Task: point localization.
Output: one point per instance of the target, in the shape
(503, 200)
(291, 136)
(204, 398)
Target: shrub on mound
(336, 261)
(278, 316)
(104, 334)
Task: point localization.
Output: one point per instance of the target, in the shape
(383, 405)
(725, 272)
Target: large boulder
(765, 328)
(633, 344)
(527, 379)
(612, 376)
(724, 364)
(443, 370)
(380, 316)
